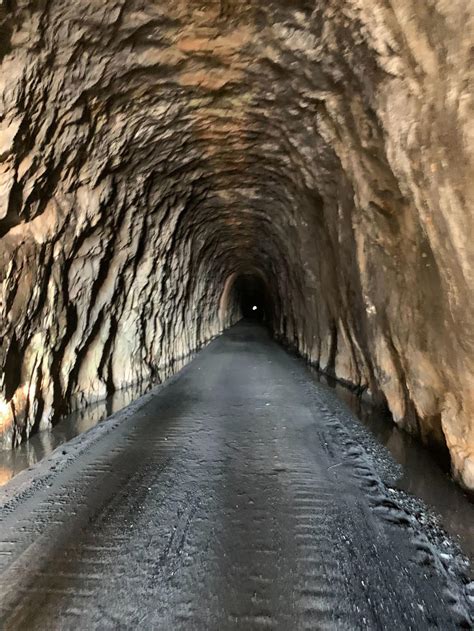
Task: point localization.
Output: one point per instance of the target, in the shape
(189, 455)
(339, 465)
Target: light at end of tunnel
(254, 308)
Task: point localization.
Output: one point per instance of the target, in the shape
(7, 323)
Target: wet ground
(420, 473)
(42, 444)
(235, 497)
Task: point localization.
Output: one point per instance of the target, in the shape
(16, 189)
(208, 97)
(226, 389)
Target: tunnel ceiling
(153, 152)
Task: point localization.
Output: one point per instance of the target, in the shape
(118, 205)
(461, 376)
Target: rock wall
(153, 152)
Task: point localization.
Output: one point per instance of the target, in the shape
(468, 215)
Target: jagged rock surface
(152, 152)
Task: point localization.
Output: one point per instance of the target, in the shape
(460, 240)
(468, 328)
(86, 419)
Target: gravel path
(230, 498)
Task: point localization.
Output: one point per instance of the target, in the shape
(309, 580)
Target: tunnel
(317, 153)
(223, 206)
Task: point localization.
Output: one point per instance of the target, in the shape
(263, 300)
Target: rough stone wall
(150, 152)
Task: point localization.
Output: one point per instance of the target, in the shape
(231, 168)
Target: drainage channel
(42, 444)
(421, 474)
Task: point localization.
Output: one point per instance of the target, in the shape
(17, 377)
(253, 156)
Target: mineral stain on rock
(153, 153)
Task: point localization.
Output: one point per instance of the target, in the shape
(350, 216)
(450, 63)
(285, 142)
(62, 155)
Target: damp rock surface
(207, 507)
(151, 154)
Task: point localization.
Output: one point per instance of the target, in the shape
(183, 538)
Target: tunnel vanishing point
(165, 165)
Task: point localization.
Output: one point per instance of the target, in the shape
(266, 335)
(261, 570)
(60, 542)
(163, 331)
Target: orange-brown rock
(153, 152)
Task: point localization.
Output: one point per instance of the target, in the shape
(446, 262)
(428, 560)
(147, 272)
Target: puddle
(39, 446)
(422, 476)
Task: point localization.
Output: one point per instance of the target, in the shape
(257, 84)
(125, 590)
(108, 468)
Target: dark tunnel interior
(252, 298)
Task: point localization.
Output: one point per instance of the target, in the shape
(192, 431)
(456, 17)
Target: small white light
(254, 308)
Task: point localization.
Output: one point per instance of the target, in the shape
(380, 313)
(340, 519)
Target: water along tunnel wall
(151, 154)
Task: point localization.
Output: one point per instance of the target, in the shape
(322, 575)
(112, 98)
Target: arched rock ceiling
(151, 151)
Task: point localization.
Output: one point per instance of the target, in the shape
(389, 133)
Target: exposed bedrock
(164, 163)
